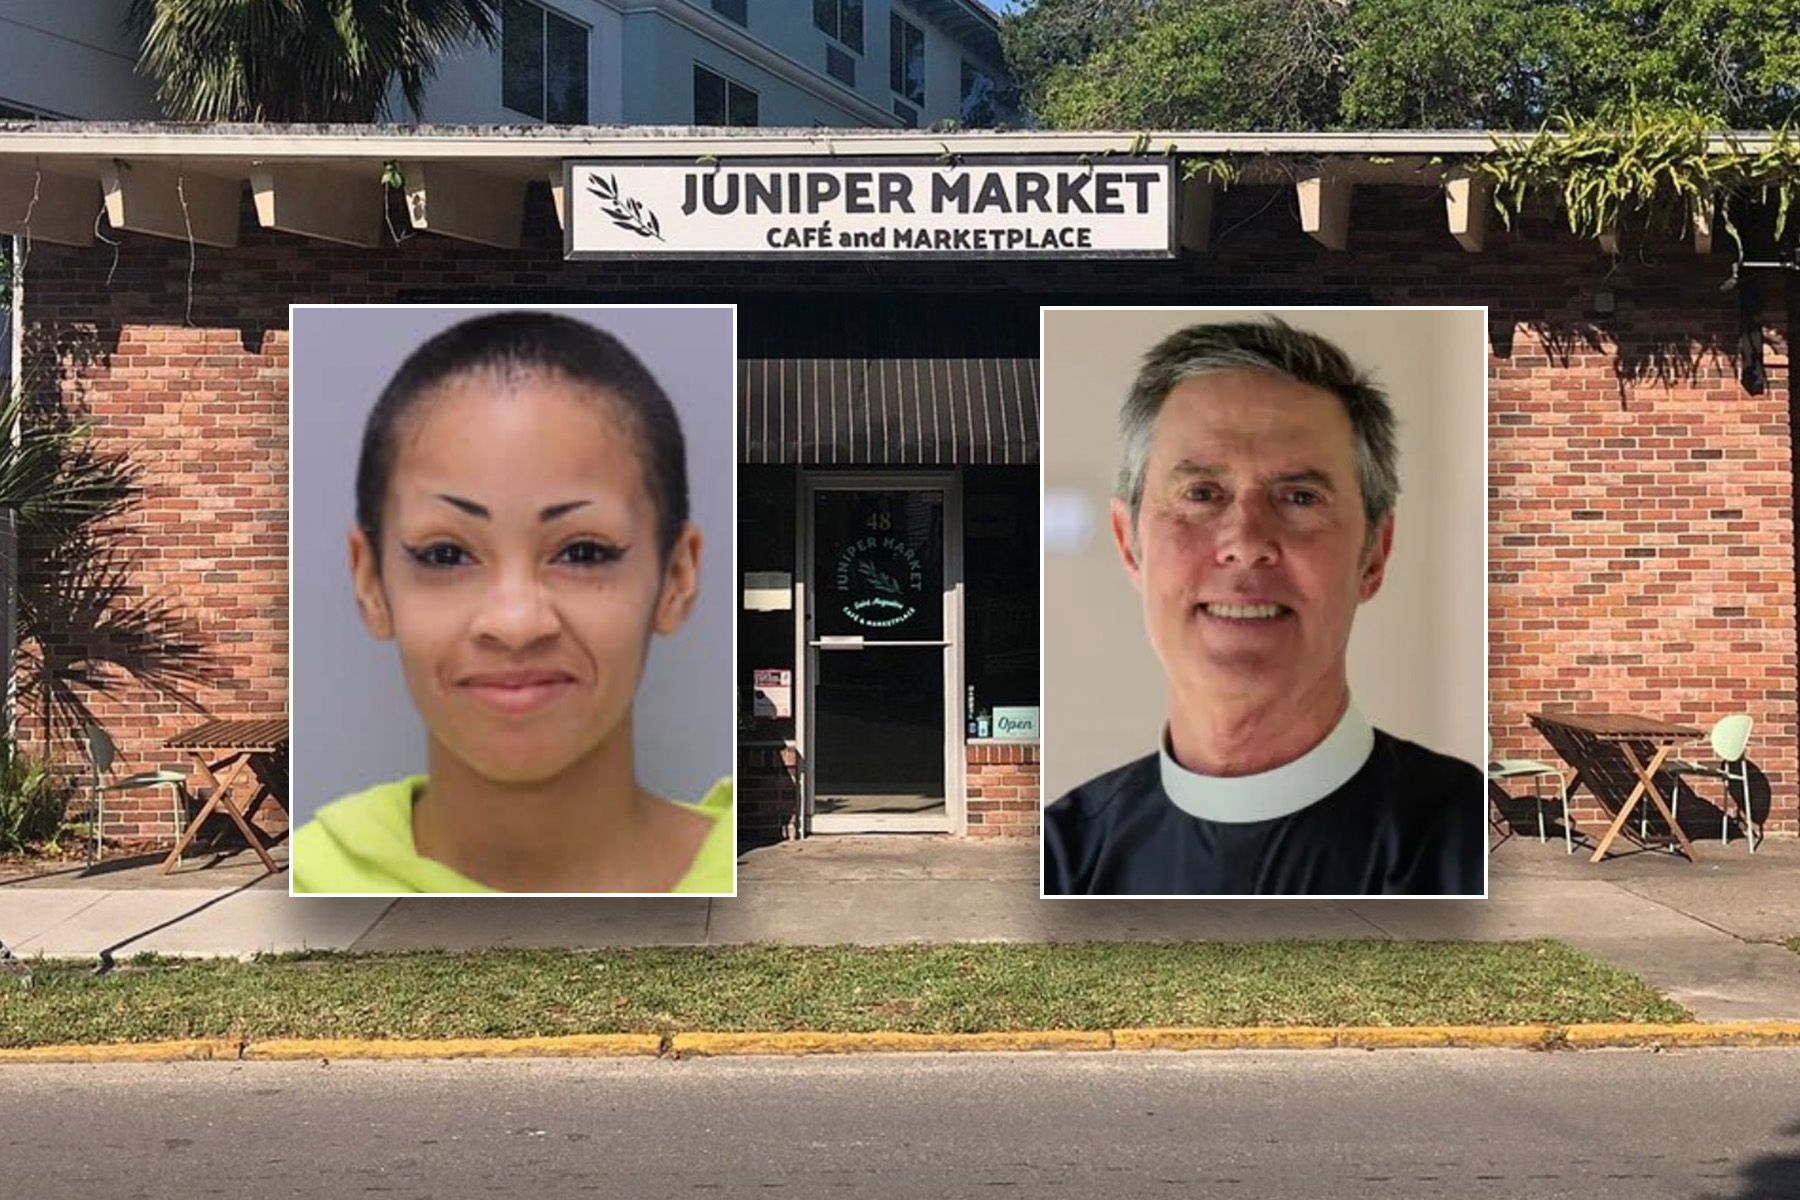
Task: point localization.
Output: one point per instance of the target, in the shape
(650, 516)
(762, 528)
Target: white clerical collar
(1241, 799)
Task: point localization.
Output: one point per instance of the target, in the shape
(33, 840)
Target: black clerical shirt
(1409, 822)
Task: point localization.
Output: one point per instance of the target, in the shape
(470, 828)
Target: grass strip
(925, 989)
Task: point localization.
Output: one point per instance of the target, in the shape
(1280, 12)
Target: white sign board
(768, 591)
(1019, 723)
(870, 208)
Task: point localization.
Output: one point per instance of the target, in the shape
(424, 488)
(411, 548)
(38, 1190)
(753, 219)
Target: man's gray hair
(1276, 347)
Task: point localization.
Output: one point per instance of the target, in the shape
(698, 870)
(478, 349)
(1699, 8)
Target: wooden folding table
(230, 753)
(1643, 742)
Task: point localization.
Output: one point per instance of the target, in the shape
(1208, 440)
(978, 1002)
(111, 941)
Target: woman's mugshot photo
(512, 599)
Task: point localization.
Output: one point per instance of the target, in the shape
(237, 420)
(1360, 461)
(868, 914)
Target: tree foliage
(299, 60)
(1052, 35)
(1245, 64)
(1445, 64)
(1400, 64)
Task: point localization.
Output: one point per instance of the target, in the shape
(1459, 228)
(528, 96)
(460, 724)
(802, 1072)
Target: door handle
(861, 643)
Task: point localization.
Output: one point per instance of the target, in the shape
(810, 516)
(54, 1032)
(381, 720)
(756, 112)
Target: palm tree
(72, 619)
(52, 483)
(299, 60)
(51, 474)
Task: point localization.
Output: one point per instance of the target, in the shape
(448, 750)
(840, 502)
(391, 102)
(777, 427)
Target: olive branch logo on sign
(878, 579)
(623, 211)
(883, 578)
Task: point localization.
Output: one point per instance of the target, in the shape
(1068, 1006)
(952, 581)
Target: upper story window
(906, 59)
(841, 19)
(733, 10)
(722, 101)
(19, 112)
(980, 97)
(543, 64)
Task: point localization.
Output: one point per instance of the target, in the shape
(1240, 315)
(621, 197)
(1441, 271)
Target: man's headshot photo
(1264, 668)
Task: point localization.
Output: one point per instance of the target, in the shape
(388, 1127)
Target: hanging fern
(1661, 168)
(1222, 172)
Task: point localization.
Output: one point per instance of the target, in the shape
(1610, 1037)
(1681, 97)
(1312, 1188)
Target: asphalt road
(1344, 1125)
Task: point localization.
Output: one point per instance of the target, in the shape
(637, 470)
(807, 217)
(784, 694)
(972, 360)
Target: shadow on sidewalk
(221, 865)
(107, 963)
(107, 872)
(69, 871)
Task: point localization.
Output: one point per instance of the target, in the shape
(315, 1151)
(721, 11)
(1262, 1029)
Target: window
(766, 512)
(1001, 569)
(906, 59)
(733, 10)
(840, 66)
(979, 97)
(841, 19)
(19, 112)
(722, 101)
(543, 64)
(909, 116)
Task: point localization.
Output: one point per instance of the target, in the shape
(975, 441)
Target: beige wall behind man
(1418, 651)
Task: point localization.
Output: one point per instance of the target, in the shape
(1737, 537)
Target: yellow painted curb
(1312, 1037)
(1723, 1033)
(597, 1045)
(1499, 1037)
(122, 1052)
(646, 1045)
(715, 1044)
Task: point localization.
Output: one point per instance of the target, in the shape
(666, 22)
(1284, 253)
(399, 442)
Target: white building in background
(59, 59)
(775, 63)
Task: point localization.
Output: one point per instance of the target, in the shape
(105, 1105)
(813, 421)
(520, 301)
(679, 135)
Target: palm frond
(299, 60)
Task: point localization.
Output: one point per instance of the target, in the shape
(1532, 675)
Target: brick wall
(768, 794)
(1641, 555)
(1003, 790)
(1640, 531)
(200, 627)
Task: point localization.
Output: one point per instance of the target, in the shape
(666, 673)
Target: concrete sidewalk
(1703, 933)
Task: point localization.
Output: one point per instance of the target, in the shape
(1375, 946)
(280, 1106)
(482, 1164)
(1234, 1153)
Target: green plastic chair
(1517, 768)
(101, 755)
(1730, 741)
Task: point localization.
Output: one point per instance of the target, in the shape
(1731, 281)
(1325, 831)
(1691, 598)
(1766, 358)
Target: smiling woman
(522, 535)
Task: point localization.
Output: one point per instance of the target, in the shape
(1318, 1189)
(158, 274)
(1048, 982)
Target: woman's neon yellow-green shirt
(364, 843)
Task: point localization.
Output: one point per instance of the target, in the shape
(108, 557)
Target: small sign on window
(1019, 724)
(774, 692)
(768, 591)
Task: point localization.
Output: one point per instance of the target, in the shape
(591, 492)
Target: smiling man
(1255, 512)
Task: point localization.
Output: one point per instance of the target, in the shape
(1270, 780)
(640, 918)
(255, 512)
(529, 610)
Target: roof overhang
(469, 182)
(968, 22)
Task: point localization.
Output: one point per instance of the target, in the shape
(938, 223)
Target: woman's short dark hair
(531, 341)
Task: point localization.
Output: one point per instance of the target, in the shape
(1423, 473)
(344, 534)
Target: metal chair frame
(1518, 768)
(1731, 742)
(101, 755)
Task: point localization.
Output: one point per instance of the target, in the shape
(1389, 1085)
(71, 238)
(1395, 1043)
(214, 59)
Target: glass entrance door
(880, 644)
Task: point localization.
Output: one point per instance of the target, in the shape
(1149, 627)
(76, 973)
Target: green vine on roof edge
(1663, 168)
(1660, 168)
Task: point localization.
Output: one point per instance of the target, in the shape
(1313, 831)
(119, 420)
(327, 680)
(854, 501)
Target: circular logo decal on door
(883, 578)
